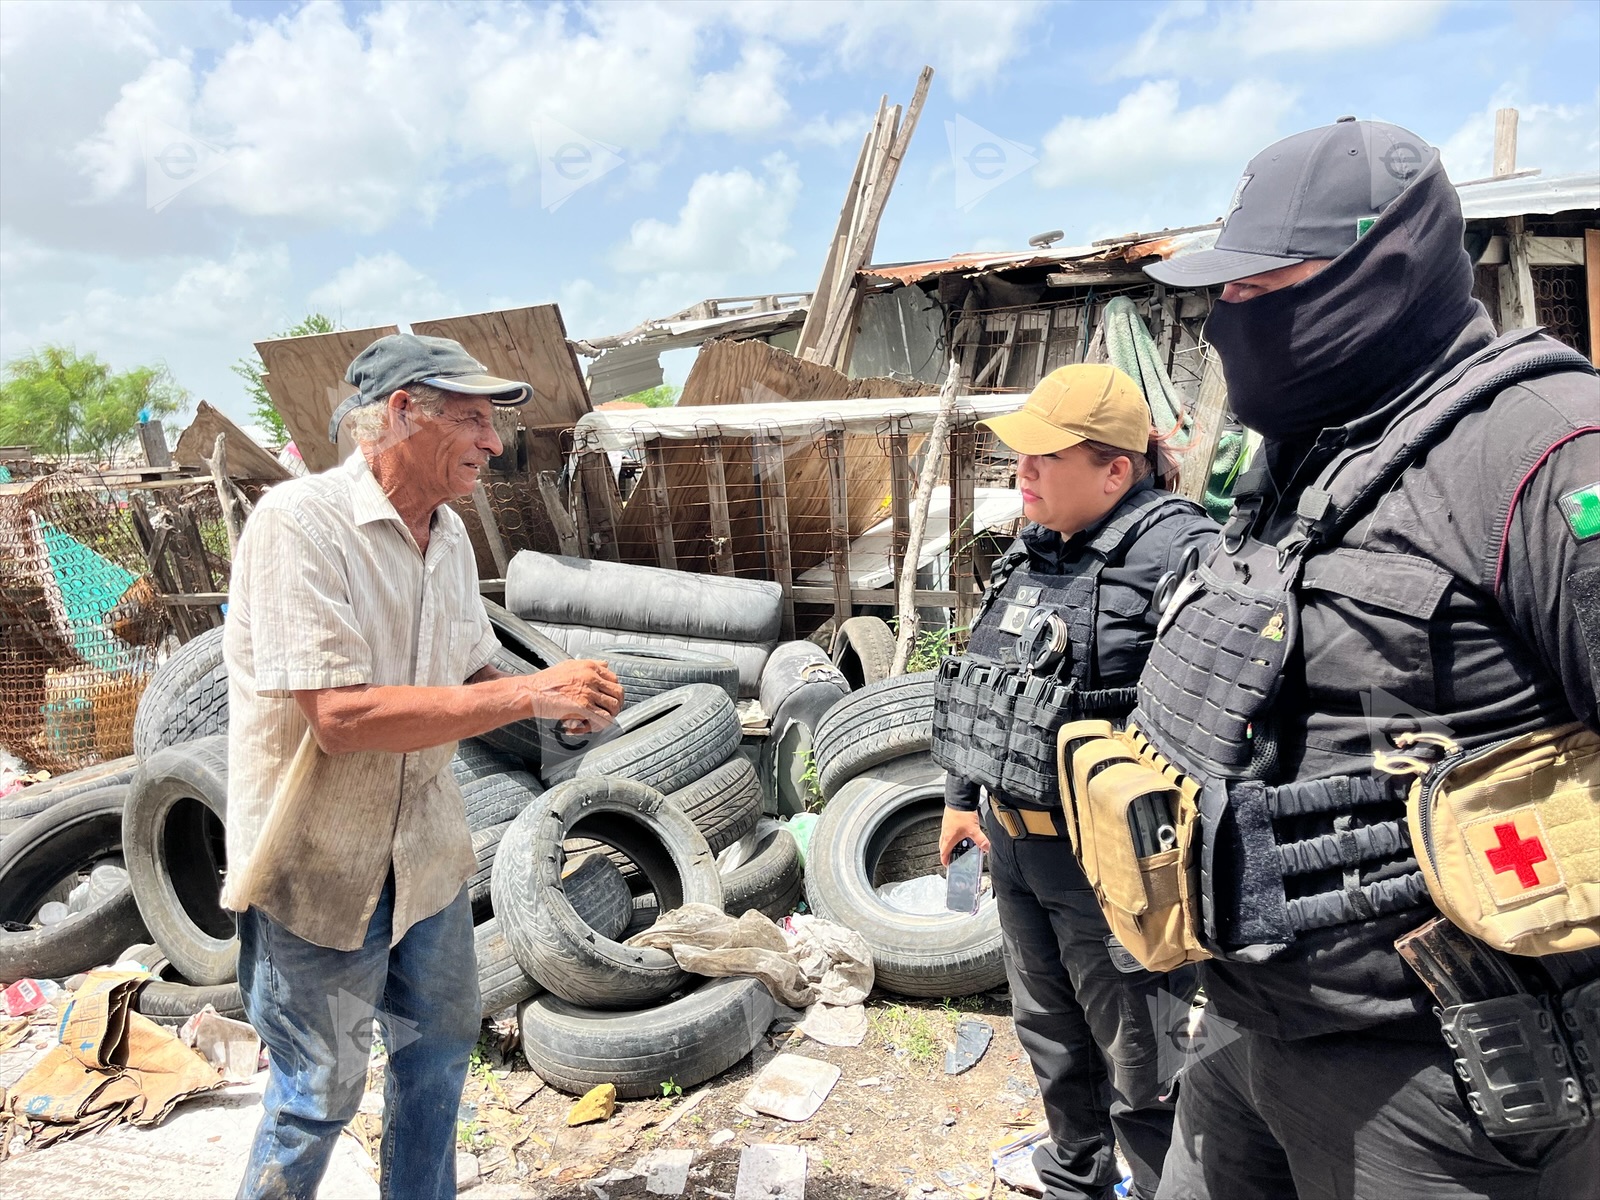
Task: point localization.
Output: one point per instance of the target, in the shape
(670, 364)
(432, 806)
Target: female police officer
(1063, 634)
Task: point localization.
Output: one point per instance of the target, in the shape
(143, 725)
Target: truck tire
(724, 803)
(48, 848)
(598, 895)
(186, 698)
(646, 671)
(667, 742)
(176, 852)
(771, 883)
(549, 939)
(688, 1040)
(882, 721)
(948, 954)
(863, 650)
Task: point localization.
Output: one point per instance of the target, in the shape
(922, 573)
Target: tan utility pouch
(1508, 837)
(1112, 784)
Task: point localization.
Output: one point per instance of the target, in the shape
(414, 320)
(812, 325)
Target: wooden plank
(246, 458)
(900, 485)
(1505, 141)
(839, 509)
(772, 488)
(491, 530)
(994, 371)
(566, 530)
(655, 481)
(821, 296)
(1591, 270)
(963, 446)
(601, 506)
(305, 381)
(1517, 303)
(529, 345)
(154, 440)
(1210, 411)
(711, 452)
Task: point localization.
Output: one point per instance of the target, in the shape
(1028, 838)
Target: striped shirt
(329, 590)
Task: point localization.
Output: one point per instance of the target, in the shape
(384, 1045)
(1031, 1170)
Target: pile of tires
(880, 824)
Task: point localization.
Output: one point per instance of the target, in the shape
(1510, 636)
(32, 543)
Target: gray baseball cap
(1309, 196)
(393, 362)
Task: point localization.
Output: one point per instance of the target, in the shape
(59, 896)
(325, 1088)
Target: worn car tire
(518, 637)
(724, 803)
(523, 651)
(186, 698)
(598, 894)
(36, 797)
(46, 849)
(170, 999)
(667, 742)
(174, 844)
(689, 1040)
(494, 799)
(646, 671)
(771, 883)
(881, 722)
(550, 940)
(863, 650)
(948, 954)
(593, 641)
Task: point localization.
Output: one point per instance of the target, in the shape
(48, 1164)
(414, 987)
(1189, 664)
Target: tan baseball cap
(1082, 402)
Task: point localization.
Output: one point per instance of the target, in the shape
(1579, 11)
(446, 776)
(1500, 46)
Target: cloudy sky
(180, 179)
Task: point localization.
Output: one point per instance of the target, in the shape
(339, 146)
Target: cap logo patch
(1238, 197)
(1582, 511)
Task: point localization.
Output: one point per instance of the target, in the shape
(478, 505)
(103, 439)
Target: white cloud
(745, 99)
(1559, 139)
(381, 289)
(1150, 135)
(731, 222)
(1205, 41)
(824, 131)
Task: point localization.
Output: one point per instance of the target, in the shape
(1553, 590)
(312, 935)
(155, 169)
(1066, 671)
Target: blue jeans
(314, 1008)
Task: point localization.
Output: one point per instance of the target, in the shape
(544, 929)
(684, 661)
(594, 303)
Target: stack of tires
(880, 824)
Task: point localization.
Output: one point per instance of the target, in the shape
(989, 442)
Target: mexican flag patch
(1582, 511)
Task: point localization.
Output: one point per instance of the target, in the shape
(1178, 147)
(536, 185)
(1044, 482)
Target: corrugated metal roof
(1533, 194)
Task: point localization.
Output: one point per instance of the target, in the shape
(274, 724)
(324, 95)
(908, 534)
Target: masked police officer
(1063, 634)
(1416, 544)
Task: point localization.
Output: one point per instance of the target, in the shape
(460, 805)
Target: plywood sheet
(305, 379)
(246, 458)
(753, 372)
(525, 344)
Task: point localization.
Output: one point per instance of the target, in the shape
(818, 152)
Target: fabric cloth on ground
(112, 1064)
(818, 962)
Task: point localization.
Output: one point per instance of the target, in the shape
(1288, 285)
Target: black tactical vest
(1029, 665)
(1226, 640)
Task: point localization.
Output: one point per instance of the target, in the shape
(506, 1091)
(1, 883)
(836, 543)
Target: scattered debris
(771, 1172)
(1012, 1159)
(467, 1174)
(835, 1026)
(597, 1104)
(972, 1039)
(792, 1087)
(666, 1172)
(721, 1137)
(233, 1047)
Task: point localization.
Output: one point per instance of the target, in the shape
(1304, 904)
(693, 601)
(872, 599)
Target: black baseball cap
(1309, 196)
(393, 362)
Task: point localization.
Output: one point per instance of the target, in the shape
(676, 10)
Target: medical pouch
(1508, 837)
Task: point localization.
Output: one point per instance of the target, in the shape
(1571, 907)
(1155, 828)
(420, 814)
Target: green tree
(662, 396)
(250, 369)
(60, 402)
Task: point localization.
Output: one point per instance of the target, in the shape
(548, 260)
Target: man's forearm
(402, 719)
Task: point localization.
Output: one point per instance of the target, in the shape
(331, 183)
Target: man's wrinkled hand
(958, 824)
(580, 693)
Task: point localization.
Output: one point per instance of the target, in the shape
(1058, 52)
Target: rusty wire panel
(80, 625)
(1561, 304)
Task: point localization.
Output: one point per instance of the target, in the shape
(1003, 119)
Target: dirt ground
(895, 1125)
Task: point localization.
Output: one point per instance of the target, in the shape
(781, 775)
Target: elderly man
(358, 653)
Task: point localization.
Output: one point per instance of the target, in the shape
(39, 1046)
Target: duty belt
(1022, 823)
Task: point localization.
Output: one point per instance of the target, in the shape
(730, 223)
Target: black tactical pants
(1089, 1028)
(1352, 1116)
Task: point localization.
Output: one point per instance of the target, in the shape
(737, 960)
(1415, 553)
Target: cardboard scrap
(112, 1065)
(1012, 1159)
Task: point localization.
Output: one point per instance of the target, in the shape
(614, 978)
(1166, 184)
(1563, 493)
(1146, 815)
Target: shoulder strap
(1327, 509)
(1138, 514)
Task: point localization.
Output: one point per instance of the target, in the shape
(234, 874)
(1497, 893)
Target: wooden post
(656, 480)
(767, 459)
(899, 499)
(963, 446)
(235, 508)
(1210, 411)
(1505, 142)
(154, 440)
(1591, 270)
(906, 605)
(599, 505)
(560, 519)
(1517, 307)
(839, 523)
(711, 454)
(491, 530)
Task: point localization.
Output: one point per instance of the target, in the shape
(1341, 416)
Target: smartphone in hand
(964, 879)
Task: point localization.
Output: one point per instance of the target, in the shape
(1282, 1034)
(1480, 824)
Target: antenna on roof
(1043, 241)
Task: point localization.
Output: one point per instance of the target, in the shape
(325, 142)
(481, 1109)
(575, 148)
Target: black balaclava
(1332, 347)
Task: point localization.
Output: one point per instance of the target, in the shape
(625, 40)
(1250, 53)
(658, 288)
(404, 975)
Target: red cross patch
(1513, 856)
